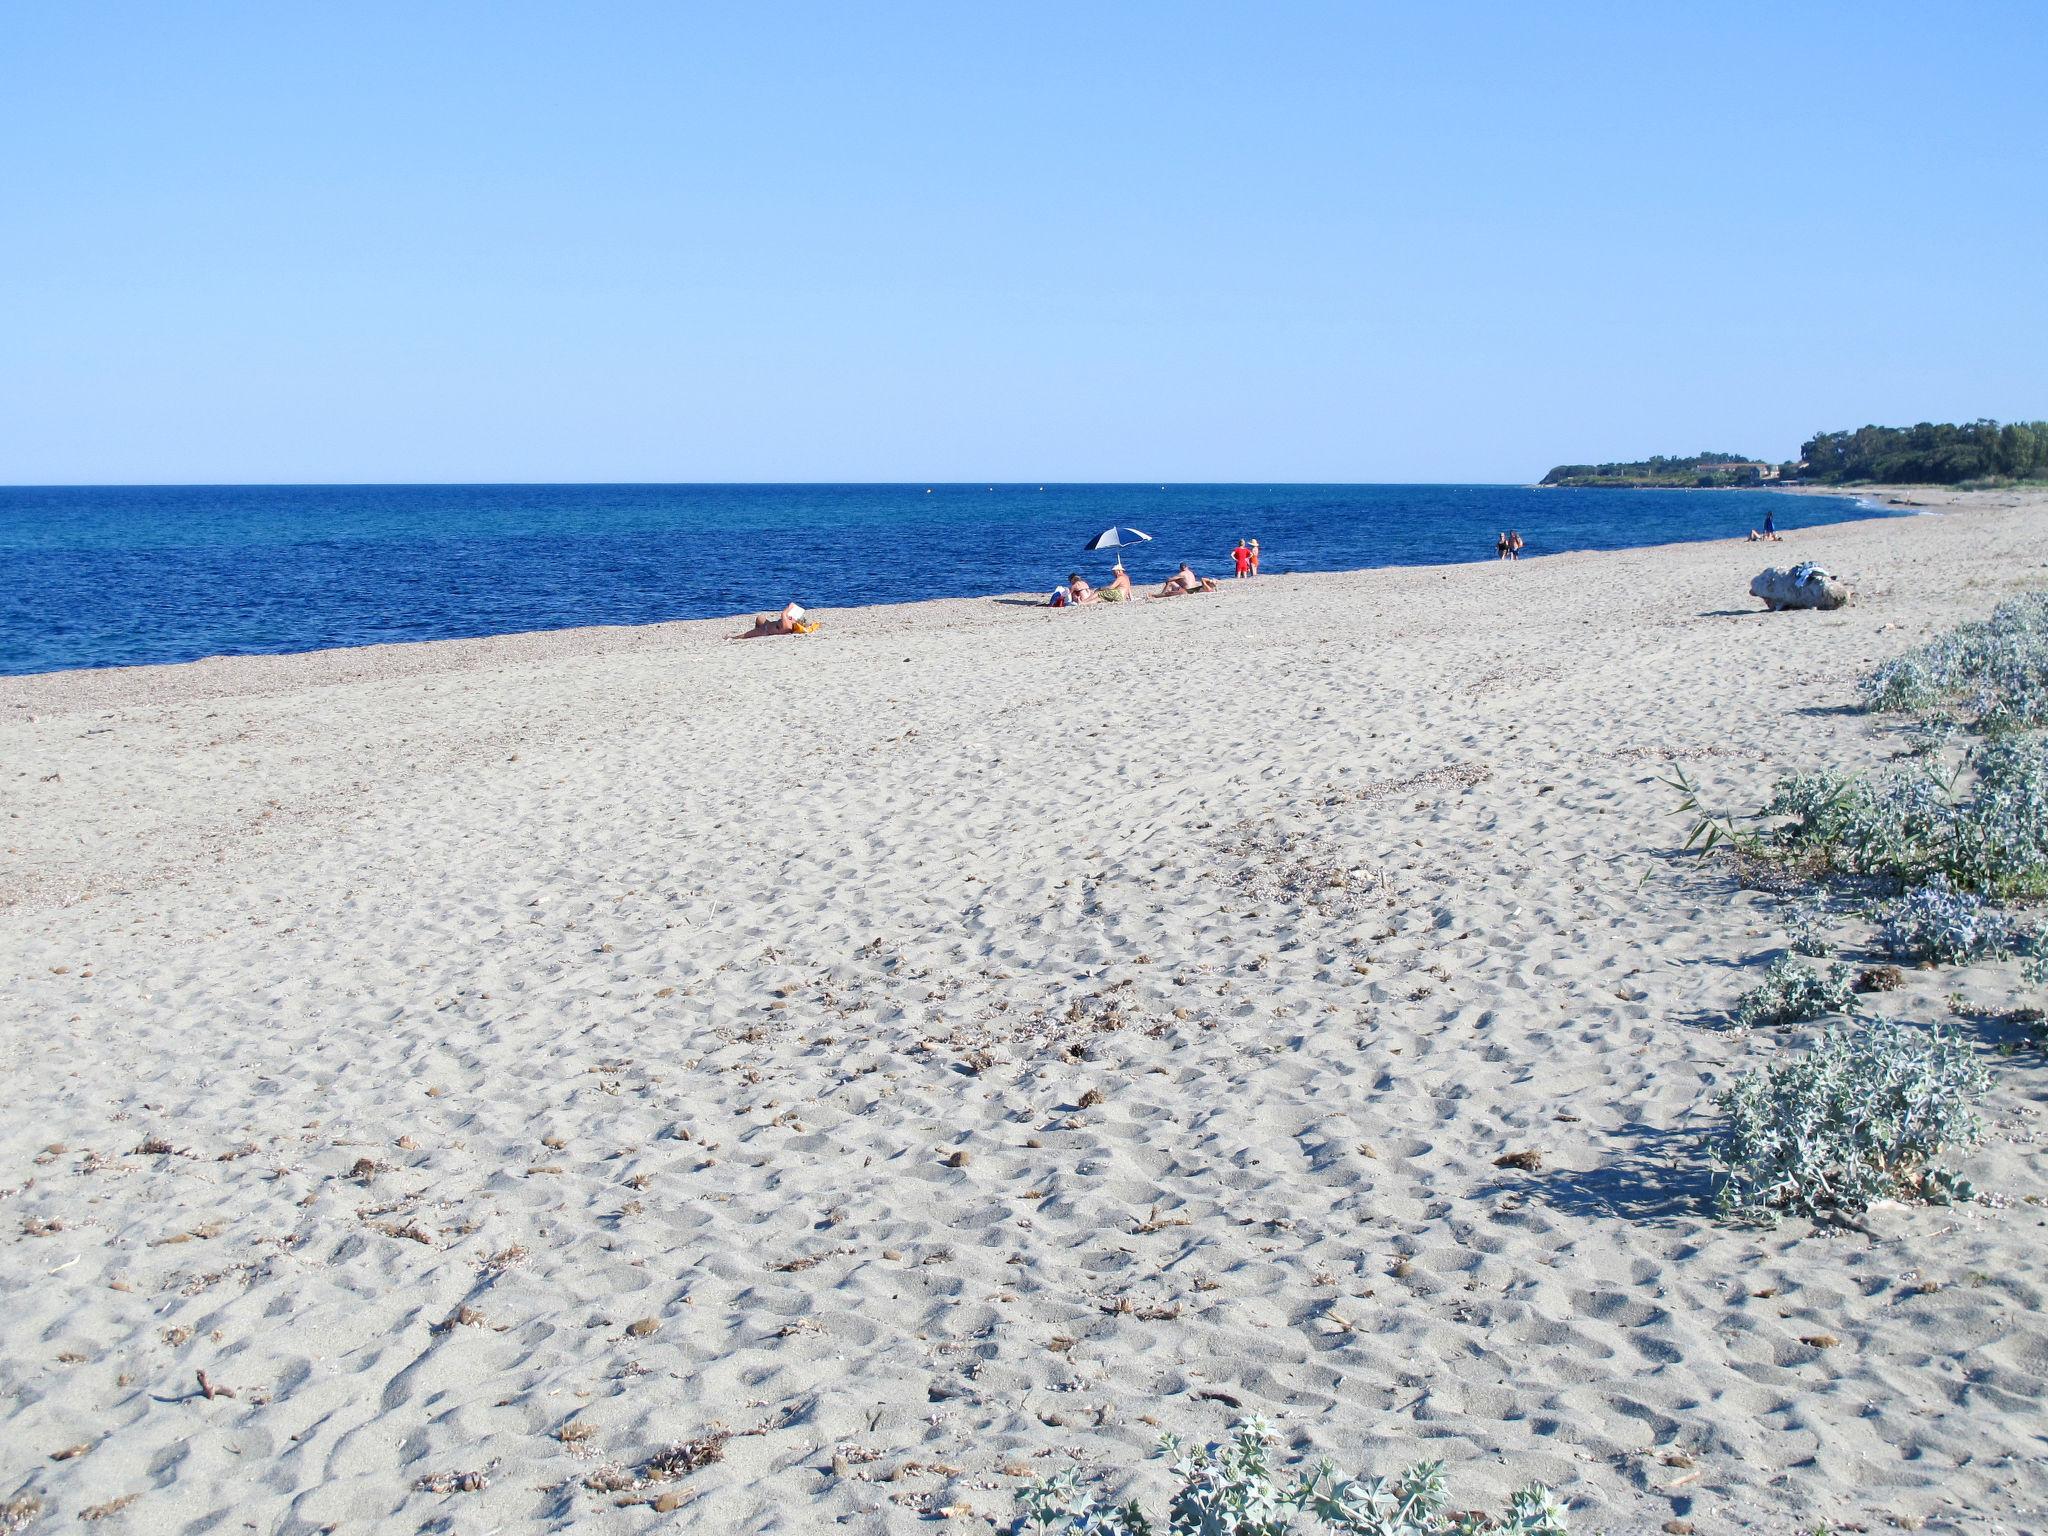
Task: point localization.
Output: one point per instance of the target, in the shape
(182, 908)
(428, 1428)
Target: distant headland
(1977, 454)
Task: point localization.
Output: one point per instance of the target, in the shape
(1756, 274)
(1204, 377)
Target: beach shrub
(1939, 923)
(1806, 928)
(1859, 1117)
(1982, 824)
(1233, 1489)
(1791, 993)
(1887, 824)
(1994, 671)
(1998, 841)
(1905, 685)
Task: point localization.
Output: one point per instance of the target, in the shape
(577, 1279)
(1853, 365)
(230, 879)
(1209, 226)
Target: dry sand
(933, 1050)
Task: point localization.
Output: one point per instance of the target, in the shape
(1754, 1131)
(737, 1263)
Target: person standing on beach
(1243, 557)
(1254, 546)
(1514, 544)
(1770, 522)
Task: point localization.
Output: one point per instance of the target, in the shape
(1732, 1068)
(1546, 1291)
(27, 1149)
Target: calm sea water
(96, 577)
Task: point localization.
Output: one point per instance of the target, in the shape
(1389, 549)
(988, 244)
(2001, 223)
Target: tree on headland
(1929, 454)
(1708, 469)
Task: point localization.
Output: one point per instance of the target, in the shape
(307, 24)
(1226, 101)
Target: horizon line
(114, 485)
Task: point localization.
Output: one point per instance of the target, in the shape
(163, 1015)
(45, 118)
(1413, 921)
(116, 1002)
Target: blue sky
(1278, 241)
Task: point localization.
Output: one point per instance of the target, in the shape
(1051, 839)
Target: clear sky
(1275, 240)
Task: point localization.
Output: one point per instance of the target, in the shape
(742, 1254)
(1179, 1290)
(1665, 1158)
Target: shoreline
(265, 671)
(1925, 498)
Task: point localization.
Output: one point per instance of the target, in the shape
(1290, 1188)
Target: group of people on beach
(1181, 583)
(1076, 593)
(1245, 557)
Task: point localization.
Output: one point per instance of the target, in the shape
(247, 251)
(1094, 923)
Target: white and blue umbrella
(1111, 538)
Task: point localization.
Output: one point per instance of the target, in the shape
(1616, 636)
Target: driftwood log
(1804, 586)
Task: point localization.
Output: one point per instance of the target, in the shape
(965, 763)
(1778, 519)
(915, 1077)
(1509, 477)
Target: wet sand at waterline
(891, 1063)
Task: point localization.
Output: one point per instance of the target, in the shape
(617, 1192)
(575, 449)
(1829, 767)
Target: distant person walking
(1254, 547)
(1500, 546)
(1243, 556)
(1514, 544)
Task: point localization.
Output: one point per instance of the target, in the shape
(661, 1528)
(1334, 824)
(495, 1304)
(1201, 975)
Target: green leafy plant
(1709, 829)
(1859, 1117)
(1233, 1489)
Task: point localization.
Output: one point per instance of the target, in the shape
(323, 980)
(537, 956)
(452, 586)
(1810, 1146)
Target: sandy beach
(621, 1080)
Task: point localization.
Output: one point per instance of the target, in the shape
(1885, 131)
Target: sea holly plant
(1860, 1117)
(1807, 929)
(1939, 923)
(1791, 993)
(1232, 1489)
(1994, 670)
(1980, 822)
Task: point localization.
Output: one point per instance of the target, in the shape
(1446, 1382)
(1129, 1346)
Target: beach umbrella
(1110, 538)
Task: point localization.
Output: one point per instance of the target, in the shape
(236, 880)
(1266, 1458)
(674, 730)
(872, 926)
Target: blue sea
(109, 576)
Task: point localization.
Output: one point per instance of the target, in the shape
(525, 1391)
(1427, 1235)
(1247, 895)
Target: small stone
(959, 1159)
(643, 1327)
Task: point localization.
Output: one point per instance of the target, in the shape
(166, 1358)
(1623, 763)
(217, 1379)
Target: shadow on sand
(1649, 1175)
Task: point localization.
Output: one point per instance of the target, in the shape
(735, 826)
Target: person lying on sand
(788, 622)
(1185, 580)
